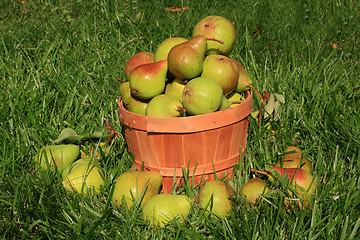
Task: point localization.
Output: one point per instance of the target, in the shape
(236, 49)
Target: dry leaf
(176, 9)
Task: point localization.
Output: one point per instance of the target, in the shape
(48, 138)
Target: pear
(164, 105)
(137, 60)
(186, 59)
(225, 104)
(223, 70)
(163, 49)
(235, 98)
(214, 196)
(244, 80)
(293, 159)
(84, 178)
(219, 28)
(253, 189)
(148, 80)
(131, 185)
(162, 208)
(89, 161)
(137, 106)
(300, 181)
(59, 155)
(175, 88)
(125, 92)
(202, 95)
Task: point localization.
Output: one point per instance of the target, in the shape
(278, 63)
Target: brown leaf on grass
(176, 9)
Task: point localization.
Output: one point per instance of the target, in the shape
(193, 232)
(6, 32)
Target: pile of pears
(292, 172)
(186, 77)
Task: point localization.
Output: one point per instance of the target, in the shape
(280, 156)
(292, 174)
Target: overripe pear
(132, 184)
(220, 28)
(137, 60)
(162, 208)
(164, 105)
(202, 95)
(222, 69)
(214, 196)
(57, 155)
(148, 80)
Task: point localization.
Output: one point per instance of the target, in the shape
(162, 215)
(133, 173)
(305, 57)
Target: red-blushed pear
(163, 49)
(214, 196)
(164, 105)
(293, 159)
(301, 182)
(148, 80)
(163, 208)
(244, 81)
(84, 178)
(57, 155)
(202, 95)
(175, 88)
(137, 60)
(186, 59)
(136, 186)
(222, 69)
(220, 28)
(253, 189)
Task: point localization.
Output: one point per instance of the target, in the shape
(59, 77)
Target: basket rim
(188, 124)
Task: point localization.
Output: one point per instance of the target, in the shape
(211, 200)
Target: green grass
(59, 61)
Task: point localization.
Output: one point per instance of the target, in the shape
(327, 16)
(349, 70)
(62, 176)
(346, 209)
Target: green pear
(186, 59)
(202, 95)
(225, 104)
(244, 80)
(222, 69)
(162, 208)
(148, 80)
(137, 106)
(163, 49)
(84, 178)
(164, 105)
(214, 196)
(60, 155)
(125, 92)
(235, 98)
(132, 184)
(89, 161)
(253, 189)
(175, 88)
(137, 60)
(219, 28)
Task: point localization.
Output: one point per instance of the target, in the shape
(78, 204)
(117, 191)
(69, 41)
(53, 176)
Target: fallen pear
(57, 155)
(89, 161)
(132, 184)
(84, 178)
(253, 189)
(293, 159)
(214, 196)
(162, 208)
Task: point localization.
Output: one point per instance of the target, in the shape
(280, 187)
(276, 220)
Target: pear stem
(262, 101)
(120, 80)
(216, 40)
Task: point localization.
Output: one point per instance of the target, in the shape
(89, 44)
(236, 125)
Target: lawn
(60, 65)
